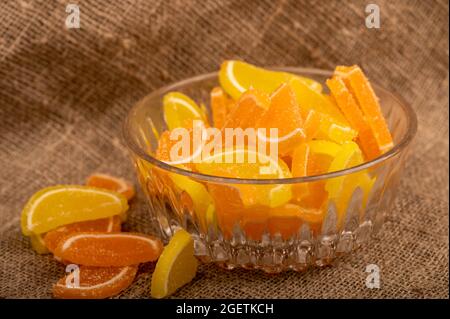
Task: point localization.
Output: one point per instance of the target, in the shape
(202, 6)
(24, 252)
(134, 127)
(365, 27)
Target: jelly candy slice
(111, 183)
(103, 250)
(348, 105)
(95, 282)
(248, 108)
(221, 106)
(361, 89)
(104, 225)
(333, 125)
(56, 206)
(285, 116)
(309, 159)
(341, 188)
(180, 110)
(197, 193)
(236, 77)
(176, 266)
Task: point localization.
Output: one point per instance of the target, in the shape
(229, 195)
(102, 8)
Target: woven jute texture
(64, 94)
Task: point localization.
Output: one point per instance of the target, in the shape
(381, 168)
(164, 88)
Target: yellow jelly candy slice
(334, 125)
(236, 77)
(180, 110)
(176, 266)
(56, 206)
(340, 189)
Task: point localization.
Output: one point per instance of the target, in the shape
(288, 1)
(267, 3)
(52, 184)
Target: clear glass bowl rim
(411, 130)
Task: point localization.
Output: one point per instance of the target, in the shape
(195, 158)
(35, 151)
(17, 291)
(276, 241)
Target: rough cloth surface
(64, 94)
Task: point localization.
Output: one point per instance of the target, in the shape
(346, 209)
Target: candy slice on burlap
(367, 100)
(103, 225)
(113, 249)
(112, 183)
(94, 282)
(349, 107)
(176, 267)
(57, 206)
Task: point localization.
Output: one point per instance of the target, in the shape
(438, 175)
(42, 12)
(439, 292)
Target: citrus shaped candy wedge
(180, 110)
(341, 188)
(104, 250)
(112, 183)
(236, 77)
(349, 155)
(56, 206)
(95, 282)
(176, 266)
(104, 225)
(334, 126)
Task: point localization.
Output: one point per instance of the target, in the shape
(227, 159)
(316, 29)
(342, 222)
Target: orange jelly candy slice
(165, 146)
(103, 250)
(106, 225)
(111, 183)
(248, 108)
(95, 282)
(355, 117)
(221, 106)
(364, 94)
(283, 114)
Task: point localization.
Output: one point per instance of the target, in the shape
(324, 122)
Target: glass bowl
(298, 235)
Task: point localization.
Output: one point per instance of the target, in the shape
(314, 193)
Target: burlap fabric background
(64, 94)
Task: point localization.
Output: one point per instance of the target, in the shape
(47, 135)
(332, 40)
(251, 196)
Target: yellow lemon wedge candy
(340, 189)
(236, 77)
(334, 126)
(56, 206)
(247, 163)
(176, 266)
(324, 147)
(180, 110)
(349, 155)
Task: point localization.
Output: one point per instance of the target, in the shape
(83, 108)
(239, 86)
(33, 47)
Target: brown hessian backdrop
(64, 94)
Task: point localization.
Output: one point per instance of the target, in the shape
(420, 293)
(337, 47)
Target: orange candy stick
(111, 183)
(355, 117)
(106, 225)
(360, 87)
(95, 283)
(104, 250)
